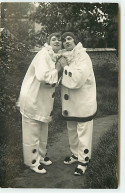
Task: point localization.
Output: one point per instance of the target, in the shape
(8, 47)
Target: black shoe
(80, 170)
(45, 161)
(70, 160)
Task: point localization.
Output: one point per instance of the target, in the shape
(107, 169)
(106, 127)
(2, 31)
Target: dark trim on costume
(83, 164)
(80, 119)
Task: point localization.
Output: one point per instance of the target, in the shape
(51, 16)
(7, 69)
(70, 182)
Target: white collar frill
(54, 56)
(69, 55)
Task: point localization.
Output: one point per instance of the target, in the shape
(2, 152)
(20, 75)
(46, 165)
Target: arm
(43, 70)
(75, 76)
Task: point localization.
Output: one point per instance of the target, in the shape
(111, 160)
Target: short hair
(71, 35)
(56, 34)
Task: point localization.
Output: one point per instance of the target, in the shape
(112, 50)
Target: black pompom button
(70, 74)
(66, 72)
(65, 112)
(34, 161)
(40, 167)
(87, 159)
(66, 96)
(86, 151)
(34, 150)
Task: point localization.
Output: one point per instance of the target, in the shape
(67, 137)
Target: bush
(15, 58)
(107, 89)
(106, 75)
(103, 169)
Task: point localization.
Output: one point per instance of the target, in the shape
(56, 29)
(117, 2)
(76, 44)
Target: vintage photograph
(59, 95)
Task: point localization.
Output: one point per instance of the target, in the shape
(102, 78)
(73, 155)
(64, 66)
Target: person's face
(56, 43)
(68, 43)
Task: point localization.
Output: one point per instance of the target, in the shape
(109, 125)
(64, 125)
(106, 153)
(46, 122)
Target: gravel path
(59, 175)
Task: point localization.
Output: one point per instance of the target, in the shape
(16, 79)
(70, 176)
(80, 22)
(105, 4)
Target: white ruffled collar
(54, 56)
(71, 54)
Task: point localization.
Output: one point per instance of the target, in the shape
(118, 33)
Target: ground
(58, 174)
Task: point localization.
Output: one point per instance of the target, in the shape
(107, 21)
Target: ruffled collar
(71, 54)
(54, 56)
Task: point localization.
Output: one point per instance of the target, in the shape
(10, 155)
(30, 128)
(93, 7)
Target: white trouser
(80, 139)
(35, 135)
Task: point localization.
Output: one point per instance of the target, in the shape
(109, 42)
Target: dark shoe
(80, 170)
(70, 160)
(38, 169)
(45, 161)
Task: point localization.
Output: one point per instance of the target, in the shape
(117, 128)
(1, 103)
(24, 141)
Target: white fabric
(35, 135)
(78, 82)
(35, 100)
(80, 139)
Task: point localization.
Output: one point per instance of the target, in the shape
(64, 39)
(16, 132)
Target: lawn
(11, 157)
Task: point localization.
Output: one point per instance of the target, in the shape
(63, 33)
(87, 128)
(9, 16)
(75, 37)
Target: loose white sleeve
(45, 68)
(75, 76)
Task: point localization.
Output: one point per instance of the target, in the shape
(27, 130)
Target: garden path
(59, 175)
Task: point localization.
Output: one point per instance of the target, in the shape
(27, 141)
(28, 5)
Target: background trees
(96, 24)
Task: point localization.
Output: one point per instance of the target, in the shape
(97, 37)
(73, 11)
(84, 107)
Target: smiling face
(68, 43)
(56, 43)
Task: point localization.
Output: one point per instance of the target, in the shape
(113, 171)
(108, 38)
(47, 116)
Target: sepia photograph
(59, 95)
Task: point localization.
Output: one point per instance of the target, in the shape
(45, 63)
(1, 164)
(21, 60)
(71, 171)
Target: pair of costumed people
(72, 68)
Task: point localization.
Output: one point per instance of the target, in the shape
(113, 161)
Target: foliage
(107, 98)
(103, 170)
(12, 65)
(15, 19)
(15, 59)
(94, 23)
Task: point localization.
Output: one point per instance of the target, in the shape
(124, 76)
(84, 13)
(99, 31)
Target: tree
(96, 24)
(15, 18)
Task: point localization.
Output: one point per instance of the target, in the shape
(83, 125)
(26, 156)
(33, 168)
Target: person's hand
(59, 69)
(58, 66)
(63, 62)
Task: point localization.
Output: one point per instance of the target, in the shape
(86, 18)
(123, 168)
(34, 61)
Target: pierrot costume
(36, 104)
(79, 105)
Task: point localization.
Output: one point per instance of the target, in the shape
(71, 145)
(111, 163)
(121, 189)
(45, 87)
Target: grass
(107, 100)
(107, 90)
(11, 157)
(103, 170)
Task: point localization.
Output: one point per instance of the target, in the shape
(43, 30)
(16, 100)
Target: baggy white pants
(80, 139)
(35, 135)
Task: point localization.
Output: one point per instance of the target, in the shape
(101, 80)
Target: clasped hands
(60, 64)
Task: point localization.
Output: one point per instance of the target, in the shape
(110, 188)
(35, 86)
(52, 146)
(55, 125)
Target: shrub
(107, 89)
(103, 169)
(106, 75)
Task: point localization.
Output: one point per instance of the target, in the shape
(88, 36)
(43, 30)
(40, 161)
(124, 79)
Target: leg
(30, 132)
(43, 139)
(43, 144)
(73, 137)
(85, 131)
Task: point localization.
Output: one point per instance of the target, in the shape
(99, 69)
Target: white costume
(36, 104)
(79, 101)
